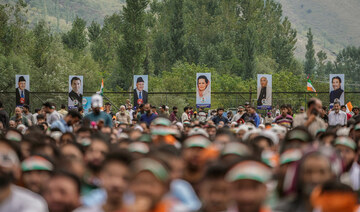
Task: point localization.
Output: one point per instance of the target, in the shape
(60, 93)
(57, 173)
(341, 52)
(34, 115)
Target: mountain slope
(335, 24)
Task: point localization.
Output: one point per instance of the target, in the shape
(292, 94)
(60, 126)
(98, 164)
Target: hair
(220, 108)
(343, 106)
(203, 77)
(40, 116)
(26, 106)
(283, 106)
(75, 79)
(336, 103)
(174, 108)
(68, 175)
(186, 108)
(107, 103)
(215, 171)
(63, 106)
(311, 102)
(48, 104)
(13, 145)
(74, 114)
(337, 77)
(120, 156)
(80, 108)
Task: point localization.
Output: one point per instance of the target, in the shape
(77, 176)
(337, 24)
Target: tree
(310, 60)
(42, 43)
(321, 55)
(176, 30)
(94, 31)
(76, 37)
(132, 49)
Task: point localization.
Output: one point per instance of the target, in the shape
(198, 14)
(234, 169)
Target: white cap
(96, 101)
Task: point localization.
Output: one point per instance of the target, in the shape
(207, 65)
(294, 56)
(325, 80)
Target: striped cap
(153, 166)
(290, 156)
(346, 141)
(36, 163)
(197, 141)
(249, 170)
(139, 147)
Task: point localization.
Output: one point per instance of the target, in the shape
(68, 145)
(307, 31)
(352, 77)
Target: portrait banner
(22, 89)
(86, 102)
(140, 90)
(76, 84)
(203, 90)
(337, 89)
(264, 91)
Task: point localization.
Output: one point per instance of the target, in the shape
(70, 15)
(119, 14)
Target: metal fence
(180, 99)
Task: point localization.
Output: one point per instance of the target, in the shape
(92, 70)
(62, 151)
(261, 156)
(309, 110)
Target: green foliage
(76, 37)
(94, 31)
(310, 60)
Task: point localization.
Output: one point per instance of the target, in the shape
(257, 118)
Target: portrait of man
(203, 90)
(75, 91)
(337, 89)
(264, 90)
(140, 93)
(22, 90)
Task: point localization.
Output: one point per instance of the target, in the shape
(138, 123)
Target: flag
(101, 92)
(310, 87)
(349, 107)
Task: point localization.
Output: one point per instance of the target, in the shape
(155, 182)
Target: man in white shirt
(185, 115)
(239, 114)
(53, 115)
(337, 117)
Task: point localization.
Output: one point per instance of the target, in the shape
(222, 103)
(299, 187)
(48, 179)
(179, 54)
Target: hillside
(60, 13)
(335, 24)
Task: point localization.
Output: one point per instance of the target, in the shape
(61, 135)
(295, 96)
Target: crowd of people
(149, 159)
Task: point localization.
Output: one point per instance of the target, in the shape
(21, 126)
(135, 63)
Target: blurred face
(140, 86)
(75, 85)
(12, 124)
(95, 154)
(343, 109)
(314, 171)
(61, 194)
(115, 178)
(336, 107)
(191, 157)
(214, 195)
(9, 165)
(148, 188)
(36, 180)
(356, 111)
(336, 84)
(241, 110)
(249, 195)
(18, 111)
(284, 111)
(212, 132)
(347, 154)
(147, 108)
(22, 85)
(263, 82)
(202, 84)
(122, 109)
(220, 112)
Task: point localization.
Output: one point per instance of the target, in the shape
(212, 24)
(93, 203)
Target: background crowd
(151, 159)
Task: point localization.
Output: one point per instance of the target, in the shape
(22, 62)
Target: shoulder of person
(31, 199)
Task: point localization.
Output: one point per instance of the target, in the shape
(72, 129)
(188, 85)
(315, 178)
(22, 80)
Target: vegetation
(171, 41)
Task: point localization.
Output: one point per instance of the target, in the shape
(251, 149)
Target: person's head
(248, 180)
(347, 149)
(122, 108)
(175, 109)
(298, 138)
(40, 118)
(211, 130)
(193, 146)
(284, 110)
(12, 124)
(252, 110)
(18, 112)
(356, 111)
(240, 109)
(147, 108)
(108, 106)
(202, 82)
(213, 189)
(336, 107)
(150, 180)
(220, 111)
(48, 107)
(72, 117)
(115, 175)
(186, 109)
(263, 82)
(163, 108)
(314, 169)
(96, 152)
(9, 162)
(36, 173)
(343, 108)
(336, 82)
(62, 192)
(76, 84)
(73, 155)
(140, 84)
(26, 108)
(96, 103)
(314, 106)
(22, 83)
(302, 109)
(63, 107)
(224, 136)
